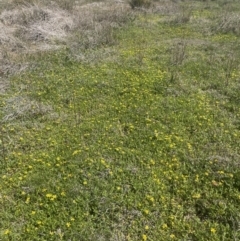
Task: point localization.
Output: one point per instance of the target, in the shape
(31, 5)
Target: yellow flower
(53, 197)
(6, 232)
(27, 200)
(146, 227)
(172, 236)
(76, 152)
(213, 230)
(197, 195)
(150, 198)
(68, 224)
(146, 211)
(152, 162)
(164, 226)
(144, 237)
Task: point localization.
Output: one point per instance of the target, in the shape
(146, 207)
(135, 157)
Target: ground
(119, 123)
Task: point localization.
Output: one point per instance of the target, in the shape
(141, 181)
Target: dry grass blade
(33, 26)
(228, 23)
(22, 107)
(178, 53)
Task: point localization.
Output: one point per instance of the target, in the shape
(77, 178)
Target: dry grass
(178, 51)
(140, 3)
(29, 25)
(95, 25)
(182, 15)
(28, 28)
(165, 7)
(23, 108)
(33, 26)
(35, 23)
(228, 23)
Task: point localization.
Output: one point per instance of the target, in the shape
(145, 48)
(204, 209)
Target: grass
(142, 144)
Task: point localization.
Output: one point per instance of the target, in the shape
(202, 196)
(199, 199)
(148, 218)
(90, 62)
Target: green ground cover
(143, 145)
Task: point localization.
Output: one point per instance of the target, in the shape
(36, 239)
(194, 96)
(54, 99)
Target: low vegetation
(140, 3)
(125, 128)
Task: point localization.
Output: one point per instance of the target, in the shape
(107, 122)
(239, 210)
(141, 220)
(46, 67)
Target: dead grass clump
(30, 28)
(7, 38)
(24, 15)
(7, 64)
(66, 4)
(140, 3)
(20, 107)
(91, 14)
(37, 23)
(179, 53)
(35, 26)
(183, 16)
(21, 2)
(165, 7)
(3, 85)
(228, 24)
(95, 24)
